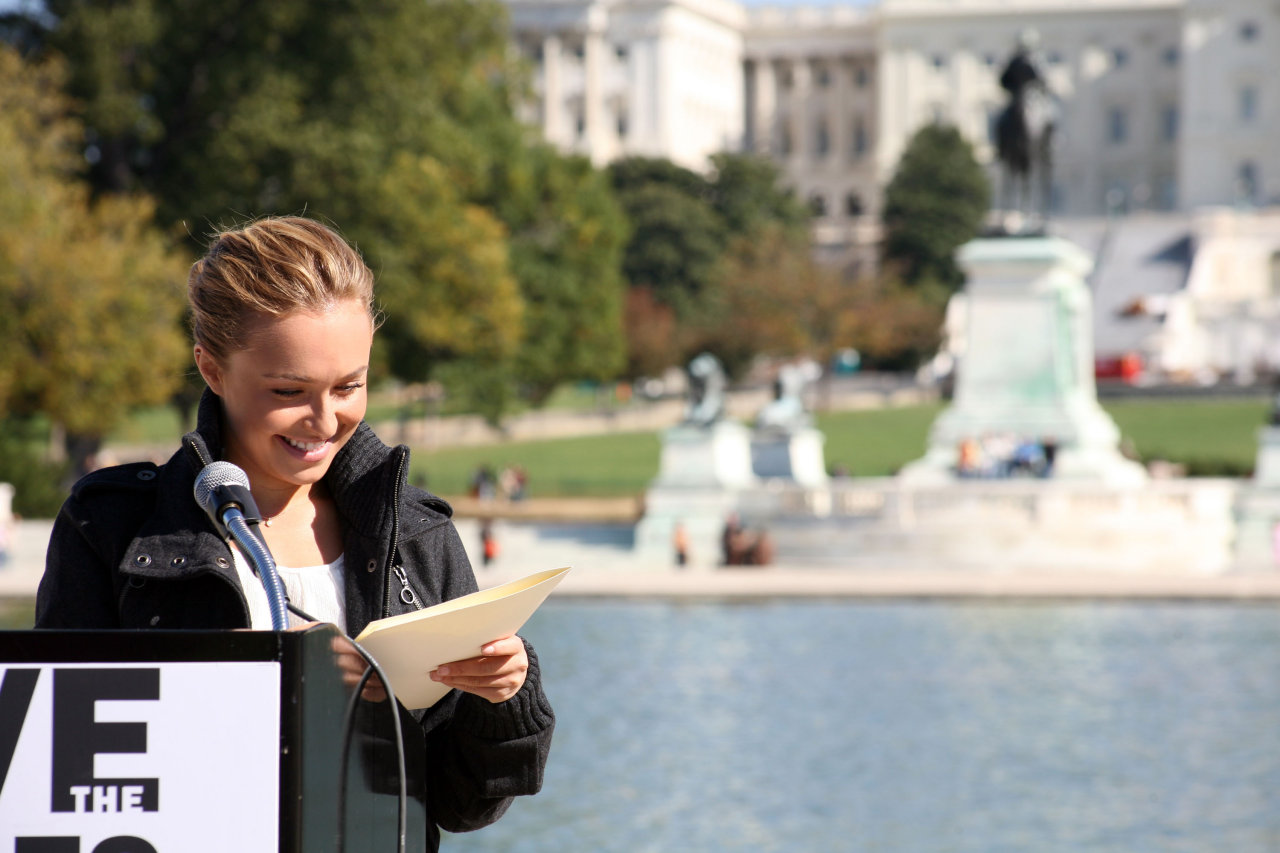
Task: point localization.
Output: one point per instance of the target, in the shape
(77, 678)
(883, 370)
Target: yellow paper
(409, 646)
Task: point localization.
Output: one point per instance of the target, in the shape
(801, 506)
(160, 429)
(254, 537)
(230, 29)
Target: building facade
(1163, 104)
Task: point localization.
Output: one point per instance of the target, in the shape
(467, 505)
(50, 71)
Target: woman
(283, 319)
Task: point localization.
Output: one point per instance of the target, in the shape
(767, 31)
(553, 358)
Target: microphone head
(212, 478)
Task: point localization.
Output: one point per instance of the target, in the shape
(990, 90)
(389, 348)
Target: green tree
(748, 193)
(91, 291)
(394, 122)
(934, 203)
(567, 234)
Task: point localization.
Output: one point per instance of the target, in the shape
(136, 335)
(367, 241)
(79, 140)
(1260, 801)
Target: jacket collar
(367, 478)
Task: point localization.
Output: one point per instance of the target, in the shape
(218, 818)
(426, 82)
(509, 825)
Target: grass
(1211, 436)
(613, 465)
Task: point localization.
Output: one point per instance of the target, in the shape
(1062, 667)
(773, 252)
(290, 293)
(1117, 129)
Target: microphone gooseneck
(222, 491)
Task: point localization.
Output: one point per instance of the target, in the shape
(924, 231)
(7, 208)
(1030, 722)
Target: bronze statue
(1024, 136)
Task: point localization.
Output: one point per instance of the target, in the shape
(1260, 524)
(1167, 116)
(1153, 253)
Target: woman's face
(295, 394)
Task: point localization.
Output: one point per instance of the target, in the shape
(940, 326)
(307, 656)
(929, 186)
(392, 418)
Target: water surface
(905, 727)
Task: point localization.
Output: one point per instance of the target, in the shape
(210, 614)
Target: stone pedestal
(715, 456)
(793, 455)
(702, 471)
(1027, 365)
(1257, 544)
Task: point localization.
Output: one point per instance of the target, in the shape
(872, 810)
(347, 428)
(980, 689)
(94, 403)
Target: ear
(209, 369)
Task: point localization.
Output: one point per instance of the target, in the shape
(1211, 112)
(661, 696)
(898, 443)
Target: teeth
(306, 446)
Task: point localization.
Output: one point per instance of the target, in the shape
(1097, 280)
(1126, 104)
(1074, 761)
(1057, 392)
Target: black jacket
(131, 549)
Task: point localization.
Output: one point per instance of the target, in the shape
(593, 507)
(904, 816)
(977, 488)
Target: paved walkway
(605, 566)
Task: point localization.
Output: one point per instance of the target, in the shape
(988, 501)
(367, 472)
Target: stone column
(799, 113)
(595, 116)
(553, 128)
(765, 107)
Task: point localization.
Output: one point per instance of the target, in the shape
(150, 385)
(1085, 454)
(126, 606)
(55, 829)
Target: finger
(505, 646)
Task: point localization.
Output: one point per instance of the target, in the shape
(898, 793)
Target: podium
(156, 741)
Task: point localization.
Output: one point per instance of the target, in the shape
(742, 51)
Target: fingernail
(444, 670)
(487, 650)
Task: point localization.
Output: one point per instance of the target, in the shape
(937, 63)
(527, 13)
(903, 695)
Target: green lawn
(1215, 437)
(1211, 436)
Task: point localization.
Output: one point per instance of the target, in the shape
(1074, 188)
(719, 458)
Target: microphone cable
(348, 727)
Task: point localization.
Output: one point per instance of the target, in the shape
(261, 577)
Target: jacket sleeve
(77, 589)
(492, 753)
(482, 754)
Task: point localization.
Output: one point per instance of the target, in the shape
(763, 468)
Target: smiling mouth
(305, 446)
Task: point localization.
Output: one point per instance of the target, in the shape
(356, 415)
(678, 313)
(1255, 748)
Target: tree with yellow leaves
(91, 295)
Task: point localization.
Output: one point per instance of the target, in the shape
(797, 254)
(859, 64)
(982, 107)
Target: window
(824, 78)
(1247, 182)
(1117, 125)
(784, 140)
(1169, 123)
(1248, 101)
(939, 61)
(853, 204)
(1053, 57)
(1170, 56)
(623, 124)
(1248, 31)
(859, 138)
(821, 138)
(861, 77)
(1119, 57)
(990, 60)
(620, 51)
(818, 204)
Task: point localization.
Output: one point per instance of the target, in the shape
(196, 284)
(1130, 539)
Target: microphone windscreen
(214, 476)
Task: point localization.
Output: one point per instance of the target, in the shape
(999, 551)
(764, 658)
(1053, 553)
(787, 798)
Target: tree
(934, 203)
(748, 193)
(394, 122)
(774, 299)
(566, 233)
(92, 292)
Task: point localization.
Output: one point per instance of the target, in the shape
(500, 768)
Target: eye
(349, 388)
(286, 393)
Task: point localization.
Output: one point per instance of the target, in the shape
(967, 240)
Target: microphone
(222, 491)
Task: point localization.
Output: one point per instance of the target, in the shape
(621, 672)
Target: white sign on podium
(140, 757)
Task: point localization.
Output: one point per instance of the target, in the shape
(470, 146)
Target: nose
(324, 417)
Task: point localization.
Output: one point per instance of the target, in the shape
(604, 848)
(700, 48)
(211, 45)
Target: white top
(316, 589)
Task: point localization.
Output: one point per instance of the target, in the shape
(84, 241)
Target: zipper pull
(407, 594)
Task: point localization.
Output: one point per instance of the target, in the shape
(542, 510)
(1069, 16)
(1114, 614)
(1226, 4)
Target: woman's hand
(496, 675)
(353, 667)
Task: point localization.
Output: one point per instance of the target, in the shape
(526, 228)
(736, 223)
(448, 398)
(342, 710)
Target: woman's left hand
(496, 675)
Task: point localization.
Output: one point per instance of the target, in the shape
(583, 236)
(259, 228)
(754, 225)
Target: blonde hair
(271, 268)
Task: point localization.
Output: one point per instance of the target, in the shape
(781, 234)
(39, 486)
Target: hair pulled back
(270, 268)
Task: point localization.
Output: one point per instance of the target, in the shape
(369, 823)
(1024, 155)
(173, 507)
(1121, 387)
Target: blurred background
(563, 203)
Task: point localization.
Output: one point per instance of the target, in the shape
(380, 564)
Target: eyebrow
(297, 377)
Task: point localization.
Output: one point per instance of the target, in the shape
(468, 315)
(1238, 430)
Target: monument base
(1026, 364)
(718, 455)
(1258, 524)
(794, 455)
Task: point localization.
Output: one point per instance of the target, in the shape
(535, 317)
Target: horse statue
(1024, 136)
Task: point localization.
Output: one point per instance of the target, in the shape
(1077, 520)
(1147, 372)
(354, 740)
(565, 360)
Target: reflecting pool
(909, 727)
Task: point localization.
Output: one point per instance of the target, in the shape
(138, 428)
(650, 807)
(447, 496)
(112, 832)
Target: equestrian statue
(1024, 137)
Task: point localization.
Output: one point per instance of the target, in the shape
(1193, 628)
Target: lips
(307, 451)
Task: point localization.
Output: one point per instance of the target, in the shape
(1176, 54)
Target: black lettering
(77, 738)
(16, 689)
(52, 844)
(124, 844)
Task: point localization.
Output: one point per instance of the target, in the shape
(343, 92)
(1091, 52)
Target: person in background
(283, 321)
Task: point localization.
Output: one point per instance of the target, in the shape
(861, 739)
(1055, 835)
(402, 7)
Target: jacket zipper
(402, 455)
(407, 595)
